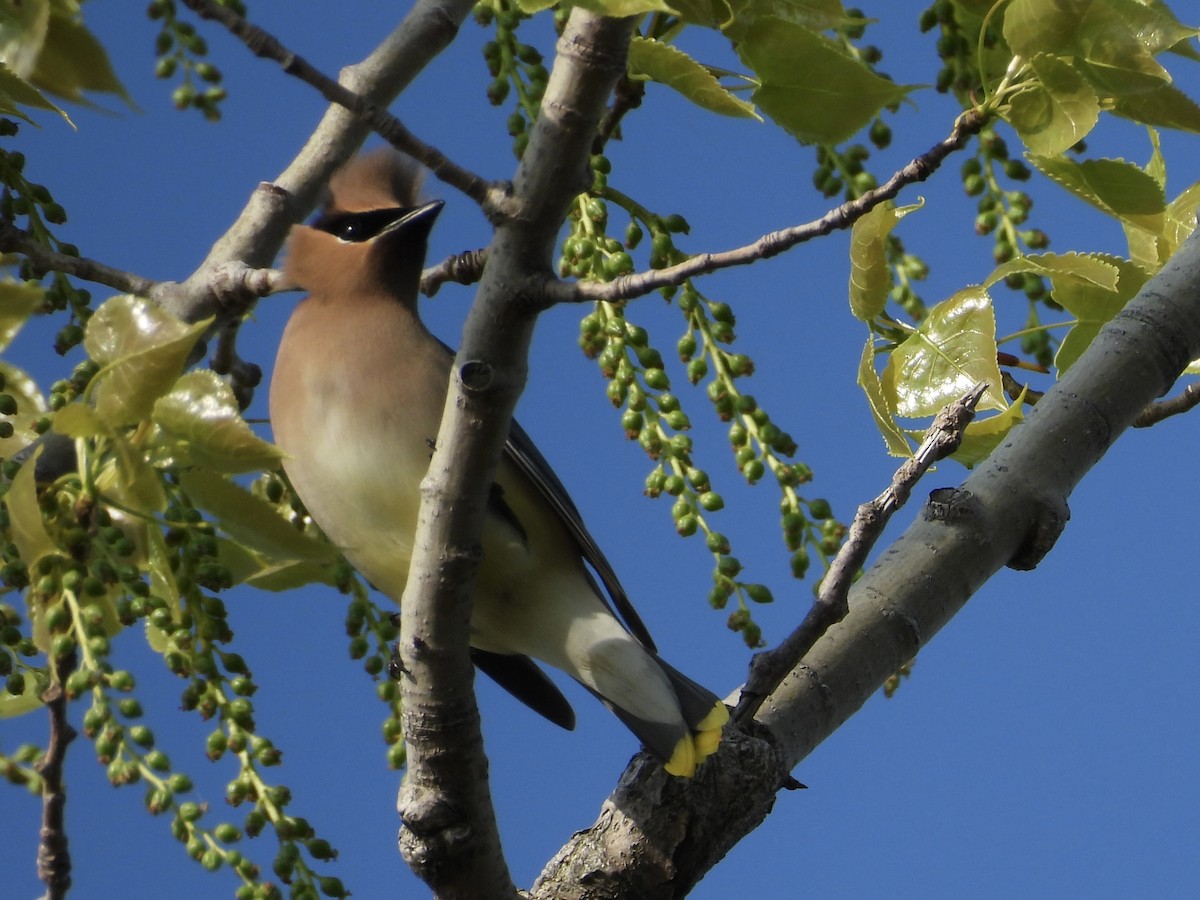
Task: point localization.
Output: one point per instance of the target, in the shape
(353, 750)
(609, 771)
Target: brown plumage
(356, 401)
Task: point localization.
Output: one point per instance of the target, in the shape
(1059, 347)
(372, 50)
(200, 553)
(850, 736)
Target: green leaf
(870, 274)
(27, 529)
(1112, 42)
(162, 584)
(250, 568)
(1092, 306)
(952, 350)
(23, 27)
(17, 303)
(142, 350)
(672, 67)
(1093, 268)
(15, 92)
(11, 706)
(809, 85)
(1113, 186)
(252, 521)
(1056, 110)
(73, 62)
(735, 21)
(1165, 107)
(617, 9)
(868, 380)
(201, 412)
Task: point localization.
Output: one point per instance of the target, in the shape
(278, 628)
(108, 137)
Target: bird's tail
(681, 746)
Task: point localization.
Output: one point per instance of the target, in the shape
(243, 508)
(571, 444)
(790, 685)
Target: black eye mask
(356, 227)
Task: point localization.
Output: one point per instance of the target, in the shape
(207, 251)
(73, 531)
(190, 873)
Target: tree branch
(53, 856)
(1005, 514)
(16, 240)
(626, 287)
(491, 197)
(260, 230)
(1187, 399)
(769, 668)
(450, 836)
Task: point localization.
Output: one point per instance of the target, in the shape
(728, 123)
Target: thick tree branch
(450, 834)
(769, 668)
(1186, 400)
(1005, 514)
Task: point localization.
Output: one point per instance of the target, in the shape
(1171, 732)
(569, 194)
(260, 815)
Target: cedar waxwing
(356, 400)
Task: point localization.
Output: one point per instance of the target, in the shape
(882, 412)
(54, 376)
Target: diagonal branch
(626, 287)
(769, 668)
(491, 197)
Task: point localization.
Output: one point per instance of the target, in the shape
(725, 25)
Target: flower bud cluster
(514, 67)
(179, 48)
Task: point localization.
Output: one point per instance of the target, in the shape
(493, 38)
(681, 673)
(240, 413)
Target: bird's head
(370, 235)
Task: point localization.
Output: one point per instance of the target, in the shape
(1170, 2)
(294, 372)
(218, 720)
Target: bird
(356, 399)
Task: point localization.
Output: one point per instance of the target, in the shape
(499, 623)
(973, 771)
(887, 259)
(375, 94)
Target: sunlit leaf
(201, 411)
(1114, 186)
(1094, 268)
(23, 27)
(25, 516)
(1092, 306)
(809, 86)
(252, 521)
(870, 274)
(17, 303)
(11, 706)
(672, 67)
(868, 380)
(162, 584)
(953, 349)
(250, 568)
(141, 350)
(1055, 111)
(616, 9)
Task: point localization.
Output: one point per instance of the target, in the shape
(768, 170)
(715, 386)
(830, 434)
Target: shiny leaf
(1092, 306)
(868, 380)
(870, 274)
(25, 516)
(1093, 268)
(1116, 187)
(142, 350)
(201, 412)
(17, 303)
(1054, 111)
(954, 348)
(73, 62)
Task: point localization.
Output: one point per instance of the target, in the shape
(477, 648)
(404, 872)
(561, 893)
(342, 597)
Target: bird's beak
(425, 213)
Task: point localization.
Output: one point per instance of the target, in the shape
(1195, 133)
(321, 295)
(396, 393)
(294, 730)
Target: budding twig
(768, 669)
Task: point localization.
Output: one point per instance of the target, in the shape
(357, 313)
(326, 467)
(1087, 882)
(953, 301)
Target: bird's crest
(377, 180)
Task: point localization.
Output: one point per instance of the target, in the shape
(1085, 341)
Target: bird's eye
(357, 227)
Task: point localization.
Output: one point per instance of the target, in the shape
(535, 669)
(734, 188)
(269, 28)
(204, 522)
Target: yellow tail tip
(698, 746)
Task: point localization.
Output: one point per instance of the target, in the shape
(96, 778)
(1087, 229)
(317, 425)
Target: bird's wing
(522, 451)
(521, 677)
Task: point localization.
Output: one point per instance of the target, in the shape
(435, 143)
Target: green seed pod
(678, 420)
(631, 423)
(676, 224)
(687, 526)
(674, 486)
(655, 482)
(759, 593)
(657, 379)
(753, 470)
(712, 501)
(697, 370)
(716, 542)
(729, 566)
(681, 506)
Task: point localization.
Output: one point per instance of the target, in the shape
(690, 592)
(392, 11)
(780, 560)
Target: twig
(53, 856)
(768, 669)
(1163, 409)
(462, 268)
(626, 287)
(627, 96)
(492, 197)
(16, 240)
(244, 376)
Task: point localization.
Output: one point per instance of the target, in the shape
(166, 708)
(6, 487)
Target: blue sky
(1043, 745)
